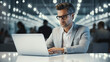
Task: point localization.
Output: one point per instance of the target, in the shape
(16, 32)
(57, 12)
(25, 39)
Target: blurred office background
(31, 14)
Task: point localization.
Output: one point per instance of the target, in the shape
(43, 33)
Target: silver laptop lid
(30, 44)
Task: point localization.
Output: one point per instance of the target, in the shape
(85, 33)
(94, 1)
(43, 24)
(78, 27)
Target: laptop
(30, 44)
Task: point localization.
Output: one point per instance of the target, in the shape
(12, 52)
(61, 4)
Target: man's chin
(63, 26)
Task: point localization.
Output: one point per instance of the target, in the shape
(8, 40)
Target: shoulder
(40, 27)
(49, 27)
(57, 29)
(82, 28)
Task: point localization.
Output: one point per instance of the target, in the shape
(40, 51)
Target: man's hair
(101, 24)
(45, 22)
(70, 8)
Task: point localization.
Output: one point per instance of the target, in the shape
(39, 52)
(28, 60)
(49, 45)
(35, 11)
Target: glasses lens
(63, 17)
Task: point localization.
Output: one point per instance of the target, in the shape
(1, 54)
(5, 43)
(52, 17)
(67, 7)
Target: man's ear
(72, 15)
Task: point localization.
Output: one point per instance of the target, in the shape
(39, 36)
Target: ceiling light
(23, 1)
(4, 4)
(14, 9)
(13, 15)
(3, 12)
(108, 4)
(8, 14)
(9, 6)
(92, 12)
(105, 5)
(79, 1)
(96, 10)
(17, 9)
(54, 1)
(34, 9)
(0, 1)
(17, 2)
(24, 13)
(102, 10)
(29, 6)
(78, 4)
(78, 8)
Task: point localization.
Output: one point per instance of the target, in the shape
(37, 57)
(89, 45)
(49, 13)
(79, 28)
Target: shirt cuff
(65, 50)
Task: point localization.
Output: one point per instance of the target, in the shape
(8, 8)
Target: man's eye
(64, 16)
(60, 17)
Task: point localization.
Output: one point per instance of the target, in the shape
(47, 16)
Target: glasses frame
(63, 17)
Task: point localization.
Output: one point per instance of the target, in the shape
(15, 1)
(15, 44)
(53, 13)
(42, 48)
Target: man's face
(65, 18)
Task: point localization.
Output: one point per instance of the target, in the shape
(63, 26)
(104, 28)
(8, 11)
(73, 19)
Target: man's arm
(83, 45)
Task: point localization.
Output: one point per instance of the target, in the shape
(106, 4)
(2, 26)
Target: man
(45, 29)
(101, 34)
(69, 38)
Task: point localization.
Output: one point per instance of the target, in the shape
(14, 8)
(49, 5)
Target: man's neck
(66, 29)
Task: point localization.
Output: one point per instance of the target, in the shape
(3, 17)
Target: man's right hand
(56, 50)
(51, 51)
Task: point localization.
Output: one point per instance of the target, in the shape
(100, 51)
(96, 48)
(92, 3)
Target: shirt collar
(70, 30)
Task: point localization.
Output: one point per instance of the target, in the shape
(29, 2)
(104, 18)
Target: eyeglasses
(63, 17)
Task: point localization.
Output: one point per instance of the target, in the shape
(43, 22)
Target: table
(86, 57)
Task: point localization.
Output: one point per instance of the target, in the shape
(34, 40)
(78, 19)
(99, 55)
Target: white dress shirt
(67, 38)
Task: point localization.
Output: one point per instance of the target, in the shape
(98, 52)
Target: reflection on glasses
(63, 17)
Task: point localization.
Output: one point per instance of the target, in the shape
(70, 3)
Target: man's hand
(56, 50)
